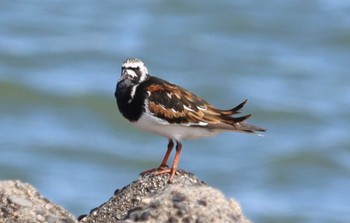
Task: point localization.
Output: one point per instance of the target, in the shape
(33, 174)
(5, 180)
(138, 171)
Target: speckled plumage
(158, 106)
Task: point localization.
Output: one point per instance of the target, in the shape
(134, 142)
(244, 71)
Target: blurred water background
(60, 129)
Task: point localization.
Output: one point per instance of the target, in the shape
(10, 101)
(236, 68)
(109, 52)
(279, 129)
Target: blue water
(60, 129)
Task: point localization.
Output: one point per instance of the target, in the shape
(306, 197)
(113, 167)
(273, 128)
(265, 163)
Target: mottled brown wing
(177, 105)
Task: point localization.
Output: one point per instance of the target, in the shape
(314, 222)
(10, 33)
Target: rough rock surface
(152, 199)
(21, 203)
(149, 199)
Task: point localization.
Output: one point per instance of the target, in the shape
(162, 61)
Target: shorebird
(163, 108)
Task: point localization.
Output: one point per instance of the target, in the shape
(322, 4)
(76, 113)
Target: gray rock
(21, 203)
(149, 199)
(152, 199)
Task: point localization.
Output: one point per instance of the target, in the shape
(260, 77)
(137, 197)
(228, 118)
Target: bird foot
(161, 170)
(171, 171)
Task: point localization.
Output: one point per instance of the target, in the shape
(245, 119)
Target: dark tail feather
(235, 110)
(245, 127)
(239, 119)
(239, 124)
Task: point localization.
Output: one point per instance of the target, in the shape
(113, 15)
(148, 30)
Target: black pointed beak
(123, 74)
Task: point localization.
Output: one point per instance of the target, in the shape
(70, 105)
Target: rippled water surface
(60, 129)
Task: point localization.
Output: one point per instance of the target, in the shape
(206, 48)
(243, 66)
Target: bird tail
(235, 110)
(245, 127)
(237, 124)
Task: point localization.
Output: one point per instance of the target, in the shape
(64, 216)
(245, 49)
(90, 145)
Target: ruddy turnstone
(160, 107)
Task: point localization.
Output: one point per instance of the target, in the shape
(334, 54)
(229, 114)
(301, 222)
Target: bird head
(134, 71)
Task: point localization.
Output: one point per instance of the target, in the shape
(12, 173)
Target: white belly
(176, 132)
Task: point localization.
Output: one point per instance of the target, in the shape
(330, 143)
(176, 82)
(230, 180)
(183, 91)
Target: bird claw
(171, 171)
(160, 168)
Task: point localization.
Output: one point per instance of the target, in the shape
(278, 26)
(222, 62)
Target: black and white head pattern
(133, 71)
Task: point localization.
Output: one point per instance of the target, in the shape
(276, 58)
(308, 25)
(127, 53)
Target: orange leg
(163, 165)
(173, 169)
(167, 154)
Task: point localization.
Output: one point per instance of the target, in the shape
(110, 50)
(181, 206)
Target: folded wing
(176, 105)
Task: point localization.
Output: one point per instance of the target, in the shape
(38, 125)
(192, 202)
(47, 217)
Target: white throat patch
(132, 94)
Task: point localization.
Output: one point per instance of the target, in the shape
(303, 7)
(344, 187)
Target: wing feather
(179, 106)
